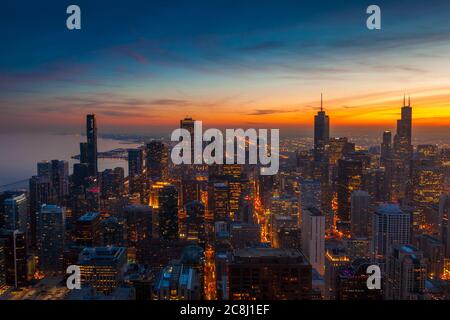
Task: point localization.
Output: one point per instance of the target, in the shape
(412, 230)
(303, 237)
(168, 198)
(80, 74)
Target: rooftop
(101, 254)
(267, 253)
(390, 208)
(90, 216)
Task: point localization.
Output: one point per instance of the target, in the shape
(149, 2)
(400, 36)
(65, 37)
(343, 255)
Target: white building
(313, 238)
(391, 226)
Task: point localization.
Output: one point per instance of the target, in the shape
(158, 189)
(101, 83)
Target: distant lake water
(19, 153)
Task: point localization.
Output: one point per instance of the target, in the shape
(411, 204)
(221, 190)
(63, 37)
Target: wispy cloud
(264, 112)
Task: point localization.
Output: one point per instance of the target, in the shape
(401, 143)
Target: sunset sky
(143, 65)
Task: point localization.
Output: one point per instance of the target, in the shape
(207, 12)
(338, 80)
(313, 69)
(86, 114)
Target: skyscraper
(321, 131)
(190, 190)
(386, 147)
(398, 168)
(427, 184)
(405, 274)
(112, 232)
(102, 267)
(59, 176)
(15, 257)
(58, 173)
(336, 260)
(16, 212)
(138, 224)
(157, 160)
(111, 182)
(313, 238)
(433, 253)
(391, 226)
(168, 213)
(51, 234)
(349, 179)
(2, 264)
(404, 130)
(310, 196)
(87, 230)
(195, 222)
(219, 201)
(359, 214)
(444, 216)
(91, 148)
(41, 192)
(188, 123)
(136, 170)
(260, 274)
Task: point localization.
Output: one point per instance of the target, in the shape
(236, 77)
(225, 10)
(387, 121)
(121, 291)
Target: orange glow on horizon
(431, 107)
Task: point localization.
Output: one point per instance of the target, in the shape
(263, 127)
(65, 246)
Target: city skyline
(330, 182)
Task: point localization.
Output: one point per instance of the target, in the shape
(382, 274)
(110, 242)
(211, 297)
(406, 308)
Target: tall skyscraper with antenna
(398, 168)
(321, 131)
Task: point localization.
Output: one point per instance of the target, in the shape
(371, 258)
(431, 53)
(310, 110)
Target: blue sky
(137, 62)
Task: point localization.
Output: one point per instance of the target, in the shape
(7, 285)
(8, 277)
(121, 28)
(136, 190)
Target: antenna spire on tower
(321, 102)
(409, 101)
(404, 99)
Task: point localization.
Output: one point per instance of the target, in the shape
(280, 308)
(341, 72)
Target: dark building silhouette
(269, 274)
(386, 147)
(195, 222)
(112, 182)
(91, 148)
(87, 230)
(188, 124)
(14, 249)
(41, 192)
(157, 160)
(138, 224)
(168, 213)
(349, 179)
(321, 132)
(398, 167)
(136, 170)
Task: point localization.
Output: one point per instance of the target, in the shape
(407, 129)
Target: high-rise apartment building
(406, 273)
(391, 226)
(51, 238)
(349, 179)
(269, 274)
(359, 214)
(136, 170)
(14, 249)
(313, 238)
(157, 161)
(168, 213)
(102, 268)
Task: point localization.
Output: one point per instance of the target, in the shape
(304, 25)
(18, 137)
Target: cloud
(135, 56)
(168, 102)
(264, 112)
